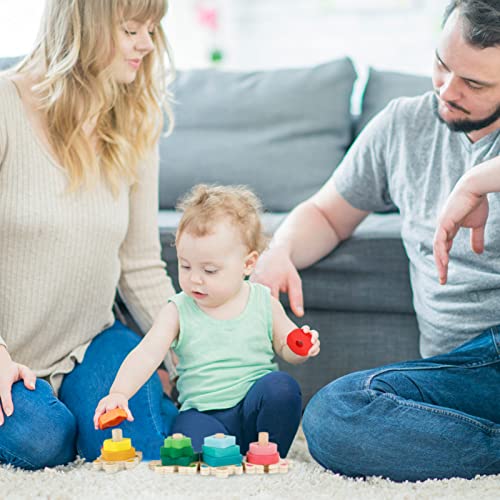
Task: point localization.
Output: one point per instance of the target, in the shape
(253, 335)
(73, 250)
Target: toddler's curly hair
(204, 205)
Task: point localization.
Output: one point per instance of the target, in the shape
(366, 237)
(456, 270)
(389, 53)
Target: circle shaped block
(263, 459)
(110, 445)
(299, 341)
(259, 449)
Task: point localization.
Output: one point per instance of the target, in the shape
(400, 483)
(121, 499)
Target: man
(437, 417)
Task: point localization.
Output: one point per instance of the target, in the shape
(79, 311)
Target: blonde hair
(206, 205)
(75, 51)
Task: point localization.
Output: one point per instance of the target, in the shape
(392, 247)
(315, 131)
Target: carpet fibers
(306, 480)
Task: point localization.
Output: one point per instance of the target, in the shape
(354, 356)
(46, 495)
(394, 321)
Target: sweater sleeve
(3, 150)
(144, 284)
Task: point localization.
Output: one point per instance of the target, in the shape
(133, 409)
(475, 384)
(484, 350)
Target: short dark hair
(482, 21)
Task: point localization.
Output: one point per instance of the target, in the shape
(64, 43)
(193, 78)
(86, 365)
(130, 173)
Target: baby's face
(212, 267)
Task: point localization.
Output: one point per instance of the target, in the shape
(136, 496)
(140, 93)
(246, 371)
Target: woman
(79, 121)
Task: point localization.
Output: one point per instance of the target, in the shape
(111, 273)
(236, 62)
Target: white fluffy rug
(306, 480)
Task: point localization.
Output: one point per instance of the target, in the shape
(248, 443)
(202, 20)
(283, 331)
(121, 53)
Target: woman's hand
(10, 373)
(110, 402)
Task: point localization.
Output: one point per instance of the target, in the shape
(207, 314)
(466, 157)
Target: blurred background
(397, 35)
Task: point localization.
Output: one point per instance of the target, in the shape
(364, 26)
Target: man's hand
(462, 209)
(10, 373)
(276, 271)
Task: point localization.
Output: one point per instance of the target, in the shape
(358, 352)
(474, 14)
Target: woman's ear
(250, 262)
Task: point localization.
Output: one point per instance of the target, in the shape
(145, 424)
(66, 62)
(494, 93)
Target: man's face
(467, 82)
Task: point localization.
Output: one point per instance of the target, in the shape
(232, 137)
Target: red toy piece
(299, 341)
(112, 418)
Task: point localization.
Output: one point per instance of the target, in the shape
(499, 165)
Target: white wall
(389, 34)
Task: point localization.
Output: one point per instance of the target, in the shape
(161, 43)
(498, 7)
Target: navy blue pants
(273, 405)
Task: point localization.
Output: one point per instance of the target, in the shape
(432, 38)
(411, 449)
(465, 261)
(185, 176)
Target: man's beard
(466, 126)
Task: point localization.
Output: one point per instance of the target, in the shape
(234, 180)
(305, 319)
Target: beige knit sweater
(63, 255)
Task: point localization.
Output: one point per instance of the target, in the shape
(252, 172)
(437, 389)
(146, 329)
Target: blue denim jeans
(432, 418)
(45, 431)
(273, 405)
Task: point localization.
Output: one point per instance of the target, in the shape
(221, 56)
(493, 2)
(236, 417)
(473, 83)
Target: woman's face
(135, 40)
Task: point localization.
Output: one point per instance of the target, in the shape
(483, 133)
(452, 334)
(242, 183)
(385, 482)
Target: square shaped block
(222, 461)
(221, 452)
(219, 441)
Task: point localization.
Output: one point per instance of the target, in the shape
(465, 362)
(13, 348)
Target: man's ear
(250, 262)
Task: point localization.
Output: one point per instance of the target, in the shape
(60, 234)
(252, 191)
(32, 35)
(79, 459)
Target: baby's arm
(466, 206)
(282, 326)
(141, 362)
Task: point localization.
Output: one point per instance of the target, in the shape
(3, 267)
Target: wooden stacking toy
(117, 453)
(221, 456)
(177, 456)
(299, 341)
(263, 457)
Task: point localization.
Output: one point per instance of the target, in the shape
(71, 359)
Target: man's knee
(332, 421)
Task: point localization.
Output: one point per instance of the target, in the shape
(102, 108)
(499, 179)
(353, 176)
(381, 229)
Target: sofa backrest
(384, 86)
(280, 132)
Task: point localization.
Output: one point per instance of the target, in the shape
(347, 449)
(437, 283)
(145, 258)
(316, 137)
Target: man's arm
(311, 231)
(467, 206)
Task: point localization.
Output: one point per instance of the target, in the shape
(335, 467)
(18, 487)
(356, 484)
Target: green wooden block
(183, 461)
(221, 452)
(175, 452)
(170, 442)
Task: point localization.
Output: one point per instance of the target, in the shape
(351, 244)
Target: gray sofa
(282, 133)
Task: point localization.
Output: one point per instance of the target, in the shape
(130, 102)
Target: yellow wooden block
(111, 445)
(113, 456)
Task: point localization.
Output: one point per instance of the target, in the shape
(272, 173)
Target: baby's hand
(314, 350)
(110, 402)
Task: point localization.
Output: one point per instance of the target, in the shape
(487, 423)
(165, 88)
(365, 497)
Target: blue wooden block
(221, 452)
(219, 442)
(222, 461)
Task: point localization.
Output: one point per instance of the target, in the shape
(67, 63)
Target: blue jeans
(273, 405)
(45, 431)
(432, 418)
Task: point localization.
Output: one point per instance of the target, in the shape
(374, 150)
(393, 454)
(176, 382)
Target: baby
(223, 328)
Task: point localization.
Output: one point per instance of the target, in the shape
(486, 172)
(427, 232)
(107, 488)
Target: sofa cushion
(7, 62)
(281, 132)
(383, 86)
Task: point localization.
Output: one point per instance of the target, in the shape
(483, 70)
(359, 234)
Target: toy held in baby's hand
(112, 418)
(299, 341)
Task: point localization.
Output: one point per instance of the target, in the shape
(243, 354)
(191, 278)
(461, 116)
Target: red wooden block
(274, 458)
(299, 341)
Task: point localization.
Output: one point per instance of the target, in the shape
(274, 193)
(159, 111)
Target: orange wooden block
(112, 418)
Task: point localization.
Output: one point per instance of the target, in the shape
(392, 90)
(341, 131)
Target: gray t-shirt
(406, 158)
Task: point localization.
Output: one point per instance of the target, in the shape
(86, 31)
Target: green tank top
(219, 360)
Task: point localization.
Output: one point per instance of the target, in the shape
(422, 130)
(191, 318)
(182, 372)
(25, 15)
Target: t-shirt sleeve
(362, 179)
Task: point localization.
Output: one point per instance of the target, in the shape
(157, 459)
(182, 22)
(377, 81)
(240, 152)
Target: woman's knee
(40, 433)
